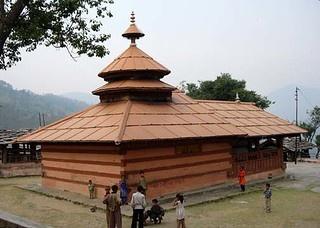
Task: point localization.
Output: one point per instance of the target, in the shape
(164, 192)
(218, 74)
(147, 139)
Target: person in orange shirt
(242, 179)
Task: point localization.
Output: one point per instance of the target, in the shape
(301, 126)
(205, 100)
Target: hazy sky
(268, 43)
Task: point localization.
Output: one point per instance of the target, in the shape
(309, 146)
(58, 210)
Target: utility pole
(40, 122)
(297, 102)
(43, 121)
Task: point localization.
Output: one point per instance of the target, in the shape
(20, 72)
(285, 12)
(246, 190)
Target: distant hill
(20, 108)
(85, 97)
(285, 103)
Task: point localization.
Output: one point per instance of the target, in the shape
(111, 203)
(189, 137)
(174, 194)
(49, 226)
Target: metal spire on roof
(132, 18)
(133, 32)
(237, 97)
(133, 63)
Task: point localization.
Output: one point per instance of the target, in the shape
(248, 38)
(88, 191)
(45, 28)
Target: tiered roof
(136, 106)
(133, 62)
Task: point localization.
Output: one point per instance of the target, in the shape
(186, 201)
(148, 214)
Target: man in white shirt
(138, 203)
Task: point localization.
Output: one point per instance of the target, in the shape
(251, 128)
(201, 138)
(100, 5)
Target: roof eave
(129, 141)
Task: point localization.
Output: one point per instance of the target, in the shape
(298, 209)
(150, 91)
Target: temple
(143, 123)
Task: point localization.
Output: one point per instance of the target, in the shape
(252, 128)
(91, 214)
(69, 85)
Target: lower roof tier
(134, 85)
(182, 118)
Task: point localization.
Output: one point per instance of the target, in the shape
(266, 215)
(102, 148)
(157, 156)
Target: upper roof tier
(133, 62)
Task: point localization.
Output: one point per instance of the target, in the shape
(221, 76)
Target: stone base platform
(201, 196)
(20, 169)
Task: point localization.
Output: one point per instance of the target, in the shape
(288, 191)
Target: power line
(306, 99)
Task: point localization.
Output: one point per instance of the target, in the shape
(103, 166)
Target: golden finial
(132, 18)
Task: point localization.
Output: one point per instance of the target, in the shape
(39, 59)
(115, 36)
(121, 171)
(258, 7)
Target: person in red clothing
(242, 179)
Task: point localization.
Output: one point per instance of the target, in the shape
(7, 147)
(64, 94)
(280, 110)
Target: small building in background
(18, 158)
(300, 148)
(145, 124)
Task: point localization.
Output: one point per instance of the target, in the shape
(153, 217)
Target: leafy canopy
(312, 125)
(317, 140)
(71, 24)
(225, 88)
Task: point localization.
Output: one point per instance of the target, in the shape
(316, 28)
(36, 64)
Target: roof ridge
(123, 124)
(222, 101)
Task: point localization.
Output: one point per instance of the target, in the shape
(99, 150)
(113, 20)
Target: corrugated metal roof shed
(9, 136)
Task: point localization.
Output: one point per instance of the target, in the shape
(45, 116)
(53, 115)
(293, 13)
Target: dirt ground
(295, 203)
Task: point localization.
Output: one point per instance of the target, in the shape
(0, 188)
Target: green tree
(71, 24)
(225, 88)
(310, 130)
(317, 141)
(312, 124)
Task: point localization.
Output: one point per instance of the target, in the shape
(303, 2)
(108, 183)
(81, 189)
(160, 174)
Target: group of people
(267, 192)
(113, 201)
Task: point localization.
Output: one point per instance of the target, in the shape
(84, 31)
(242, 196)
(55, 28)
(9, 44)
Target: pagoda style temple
(142, 123)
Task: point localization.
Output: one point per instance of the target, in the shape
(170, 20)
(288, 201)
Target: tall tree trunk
(2, 12)
(8, 20)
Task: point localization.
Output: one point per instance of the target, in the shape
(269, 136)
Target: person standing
(123, 190)
(267, 195)
(242, 179)
(143, 183)
(180, 213)
(138, 204)
(91, 189)
(113, 203)
(105, 198)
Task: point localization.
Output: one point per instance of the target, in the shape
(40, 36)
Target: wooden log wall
(177, 169)
(68, 167)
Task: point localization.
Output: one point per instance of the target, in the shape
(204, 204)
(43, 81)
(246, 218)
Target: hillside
(81, 96)
(20, 108)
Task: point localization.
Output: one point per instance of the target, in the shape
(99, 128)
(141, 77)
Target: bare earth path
(295, 203)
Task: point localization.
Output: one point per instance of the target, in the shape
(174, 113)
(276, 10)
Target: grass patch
(290, 208)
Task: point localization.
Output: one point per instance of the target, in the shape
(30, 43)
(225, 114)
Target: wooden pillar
(4, 155)
(15, 155)
(280, 152)
(1, 153)
(33, 152)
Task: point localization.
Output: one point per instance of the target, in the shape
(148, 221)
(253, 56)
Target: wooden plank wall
(169, 172)
(273, 161)
(68, 167)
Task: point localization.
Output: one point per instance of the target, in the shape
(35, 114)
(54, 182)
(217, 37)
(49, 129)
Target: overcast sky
(268, 43)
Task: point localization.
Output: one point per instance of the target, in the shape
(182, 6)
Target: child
(267, 195)
(178, 204)
(156, 212)
(123, 190)
(242, 180)
(91, 189)
(143, 182)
